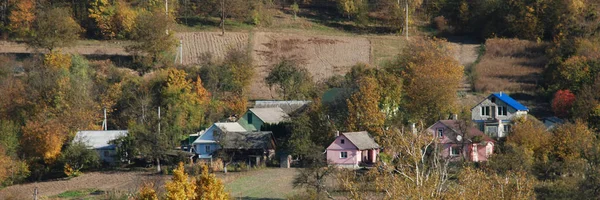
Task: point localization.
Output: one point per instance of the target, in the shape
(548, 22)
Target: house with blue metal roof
(495, 114)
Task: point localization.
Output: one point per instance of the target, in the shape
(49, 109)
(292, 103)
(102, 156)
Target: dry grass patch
(510, 65)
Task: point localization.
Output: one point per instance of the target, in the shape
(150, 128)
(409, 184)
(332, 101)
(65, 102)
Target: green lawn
(270, 183)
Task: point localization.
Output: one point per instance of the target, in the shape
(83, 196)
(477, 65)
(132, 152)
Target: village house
(100, 141)
(254, 118)
(494, 115)
(458, 140)
(205, 144)
(253, 148)
(352, 149)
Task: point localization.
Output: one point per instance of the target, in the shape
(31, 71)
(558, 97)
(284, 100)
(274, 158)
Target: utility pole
(406, 29)
(222, 17)
(167, 14)
(181, 52)
(158, 159)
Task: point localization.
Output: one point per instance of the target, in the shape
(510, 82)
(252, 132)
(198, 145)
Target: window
(485, 111)
(502, 110)
(454, 151)
(343, 154)
(249, 118)
(342, 141)
(440, 132)
(207, 148)
(506, 128)
(493, 100)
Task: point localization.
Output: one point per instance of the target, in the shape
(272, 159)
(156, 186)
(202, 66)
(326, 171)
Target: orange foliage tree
(21, 18)
(363, 108)
(43, 138)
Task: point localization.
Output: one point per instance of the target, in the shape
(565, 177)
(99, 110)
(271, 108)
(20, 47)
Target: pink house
(474, 146)
(351, 149)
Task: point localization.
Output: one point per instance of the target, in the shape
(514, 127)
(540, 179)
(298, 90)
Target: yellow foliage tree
(180, 187)
(22, 17)
(209, 187)
(56, 60)
(147, 192)
(363, 108)
(124, 19)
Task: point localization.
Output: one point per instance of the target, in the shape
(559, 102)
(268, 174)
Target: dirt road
(123, 181)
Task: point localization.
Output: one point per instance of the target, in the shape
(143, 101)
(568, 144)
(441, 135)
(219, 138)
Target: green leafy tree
(54, 28)
(293, 81)
(151, 40)
(78, 157)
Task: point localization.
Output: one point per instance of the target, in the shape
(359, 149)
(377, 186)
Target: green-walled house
(254, 118)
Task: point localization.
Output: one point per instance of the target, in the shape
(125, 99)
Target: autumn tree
(12, 170)
(208, 186)
(571, 142)
(180, 187)
(147, 192)
(54, 28)
(512, 185)
(430, 78)
(43, 138)
(185, 103)
(102, 12)
(562, 102)
(22, 17)
(363, 108)
(292, 81)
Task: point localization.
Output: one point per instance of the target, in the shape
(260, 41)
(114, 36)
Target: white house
(100, 141)
(205, 144)
(495, 114)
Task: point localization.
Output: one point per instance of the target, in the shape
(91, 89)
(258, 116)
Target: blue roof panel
(510, 101)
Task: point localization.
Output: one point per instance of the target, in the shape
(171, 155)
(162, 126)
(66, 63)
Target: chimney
(413, 128)
(455, 117)
(337, 134)
(500, 93)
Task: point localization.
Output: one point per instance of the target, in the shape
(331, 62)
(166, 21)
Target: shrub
(441, 24)
(216, 165)
(77, 157)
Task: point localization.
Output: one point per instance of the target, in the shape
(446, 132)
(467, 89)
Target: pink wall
(447, 131)
(336, 147)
